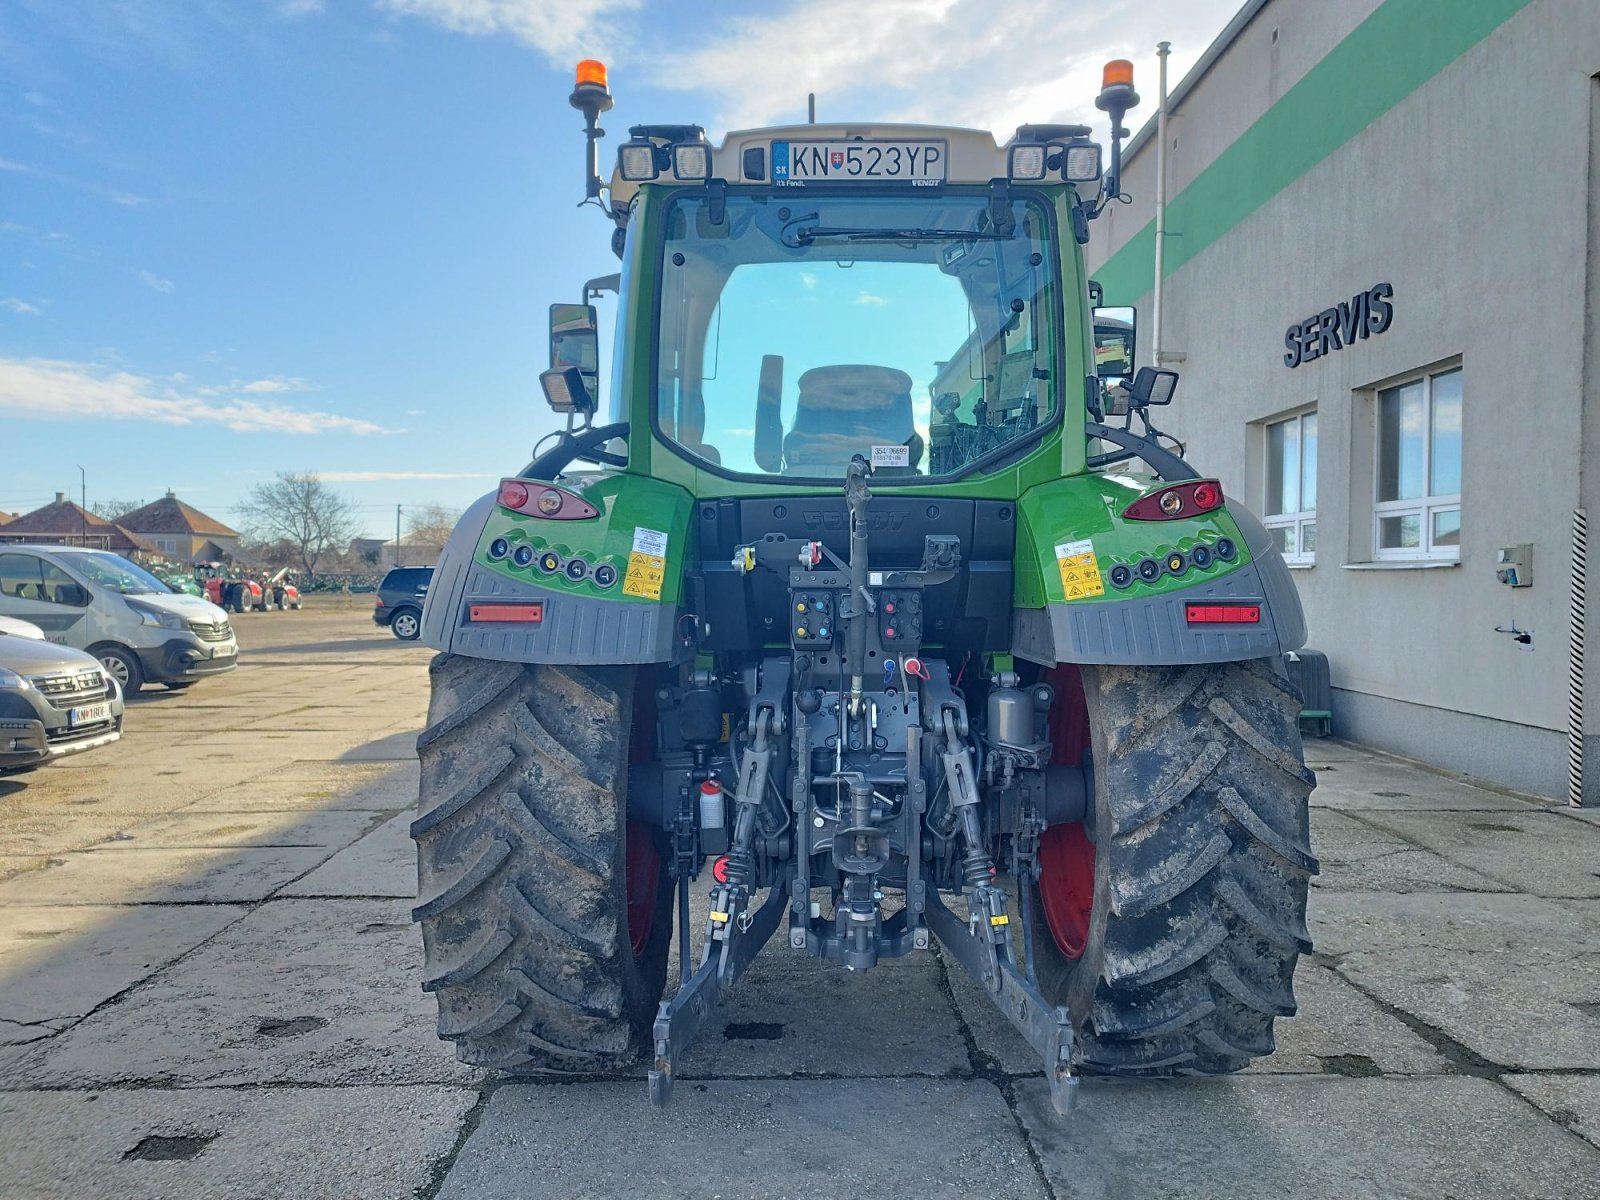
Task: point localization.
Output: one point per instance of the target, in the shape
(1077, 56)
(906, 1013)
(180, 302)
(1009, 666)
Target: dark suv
(399, 603)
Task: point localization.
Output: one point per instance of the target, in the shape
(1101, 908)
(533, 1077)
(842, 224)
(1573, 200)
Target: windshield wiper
(804, 236)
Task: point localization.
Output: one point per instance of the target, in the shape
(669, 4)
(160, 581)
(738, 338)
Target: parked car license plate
(225, 650)
(876, 162)
(89, 714)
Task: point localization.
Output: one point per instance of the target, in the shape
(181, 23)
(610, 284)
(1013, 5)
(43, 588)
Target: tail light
(535, 499)
(1189, 499)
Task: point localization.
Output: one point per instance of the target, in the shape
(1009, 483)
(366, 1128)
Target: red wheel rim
(643, 878)
(1066, 855)
(1066, 886)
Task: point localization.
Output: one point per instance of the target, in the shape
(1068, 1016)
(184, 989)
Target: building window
(1291, 478)
(1417, 501)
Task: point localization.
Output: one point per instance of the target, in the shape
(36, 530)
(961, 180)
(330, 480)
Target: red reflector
(1223, 614)
(529, 613)
(719, 869)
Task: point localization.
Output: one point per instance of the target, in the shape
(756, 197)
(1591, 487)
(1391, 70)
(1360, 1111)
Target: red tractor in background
(279, 590)
(240, 593)
(230, 593)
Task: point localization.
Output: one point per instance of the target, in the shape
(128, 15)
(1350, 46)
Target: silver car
(54, 700)
(135, 625)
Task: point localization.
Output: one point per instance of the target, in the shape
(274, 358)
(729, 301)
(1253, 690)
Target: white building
(1380, 286)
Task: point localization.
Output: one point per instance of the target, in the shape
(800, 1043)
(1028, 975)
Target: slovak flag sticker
(836, 157)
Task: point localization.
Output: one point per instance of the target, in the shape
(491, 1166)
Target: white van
(139, 628)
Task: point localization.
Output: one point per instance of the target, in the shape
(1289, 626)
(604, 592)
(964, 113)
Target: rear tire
(406, 624)
(522, 866)
(1202, 862)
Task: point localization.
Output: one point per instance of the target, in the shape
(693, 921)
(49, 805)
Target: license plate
(876, 162)
(88, 714)
(225, 650)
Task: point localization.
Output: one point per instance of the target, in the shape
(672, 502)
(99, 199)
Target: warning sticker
(891, 456)
(644, 576)
(1080, 570)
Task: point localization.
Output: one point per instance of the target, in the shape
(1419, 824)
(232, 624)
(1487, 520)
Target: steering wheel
(585, 445)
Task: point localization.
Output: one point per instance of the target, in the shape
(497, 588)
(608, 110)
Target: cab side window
(20, 577)
(59, 587)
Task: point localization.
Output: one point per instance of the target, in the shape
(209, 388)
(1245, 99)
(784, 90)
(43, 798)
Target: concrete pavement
(208, 988)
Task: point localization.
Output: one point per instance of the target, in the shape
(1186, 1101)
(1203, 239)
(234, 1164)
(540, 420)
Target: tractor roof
(972, 155)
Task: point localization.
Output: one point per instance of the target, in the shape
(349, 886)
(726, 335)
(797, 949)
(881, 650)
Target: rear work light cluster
(535, 499)
(1191, 498)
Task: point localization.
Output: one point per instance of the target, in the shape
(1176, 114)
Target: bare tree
(114, 510)
(300, 509)
(430, 526)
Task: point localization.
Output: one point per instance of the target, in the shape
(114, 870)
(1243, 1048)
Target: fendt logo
(883, 522)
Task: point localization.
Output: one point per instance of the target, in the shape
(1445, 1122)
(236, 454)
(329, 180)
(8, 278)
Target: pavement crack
(440, 1171)
(1460, 1058)
(986, 1066)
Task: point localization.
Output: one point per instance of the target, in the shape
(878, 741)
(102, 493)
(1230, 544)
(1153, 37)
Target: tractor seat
(845, 410)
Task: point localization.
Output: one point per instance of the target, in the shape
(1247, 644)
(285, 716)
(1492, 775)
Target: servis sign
(1364, 315)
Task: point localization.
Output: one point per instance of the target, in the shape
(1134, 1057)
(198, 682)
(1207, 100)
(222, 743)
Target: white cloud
(151, 280)
(299, 8)
(46, 389)
(391, 476)
(21, 307)
(870, 300)
(563, 30)
(277, 383)
(808, 280)
(126, 199)
(938, 61)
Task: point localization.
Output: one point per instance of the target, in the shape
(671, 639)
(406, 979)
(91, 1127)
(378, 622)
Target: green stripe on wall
(1387, 57)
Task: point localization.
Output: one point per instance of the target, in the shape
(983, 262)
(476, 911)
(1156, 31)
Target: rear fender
(622, 605)
(1080, 597)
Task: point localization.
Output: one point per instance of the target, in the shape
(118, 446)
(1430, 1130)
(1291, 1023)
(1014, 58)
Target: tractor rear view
(872, 606)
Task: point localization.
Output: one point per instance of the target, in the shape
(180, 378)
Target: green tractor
(868, 601)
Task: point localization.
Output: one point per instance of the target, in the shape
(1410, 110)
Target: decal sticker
(646, 565)
(891, 456)
(649, 541)
(1080, 570)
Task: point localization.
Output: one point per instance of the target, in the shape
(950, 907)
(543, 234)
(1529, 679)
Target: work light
(1082, 164)
(637, 160)
(1027, 161)
(691, 161)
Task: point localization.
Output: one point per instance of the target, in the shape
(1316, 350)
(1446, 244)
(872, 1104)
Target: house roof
(61, 518)
(64, 521)
(171, 515)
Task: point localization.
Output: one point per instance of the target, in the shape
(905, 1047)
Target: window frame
(1298, 520)
(653, 254)
(1427, 505)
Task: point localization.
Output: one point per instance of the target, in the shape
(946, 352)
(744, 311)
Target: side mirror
(1152, 388)
(74, 594)
(1115, 330)
(566, 390)
(575, 342)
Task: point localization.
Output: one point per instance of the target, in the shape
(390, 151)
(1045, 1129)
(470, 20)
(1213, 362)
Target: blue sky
(245, 236)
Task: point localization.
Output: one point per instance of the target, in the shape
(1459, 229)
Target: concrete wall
(1471, 197)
